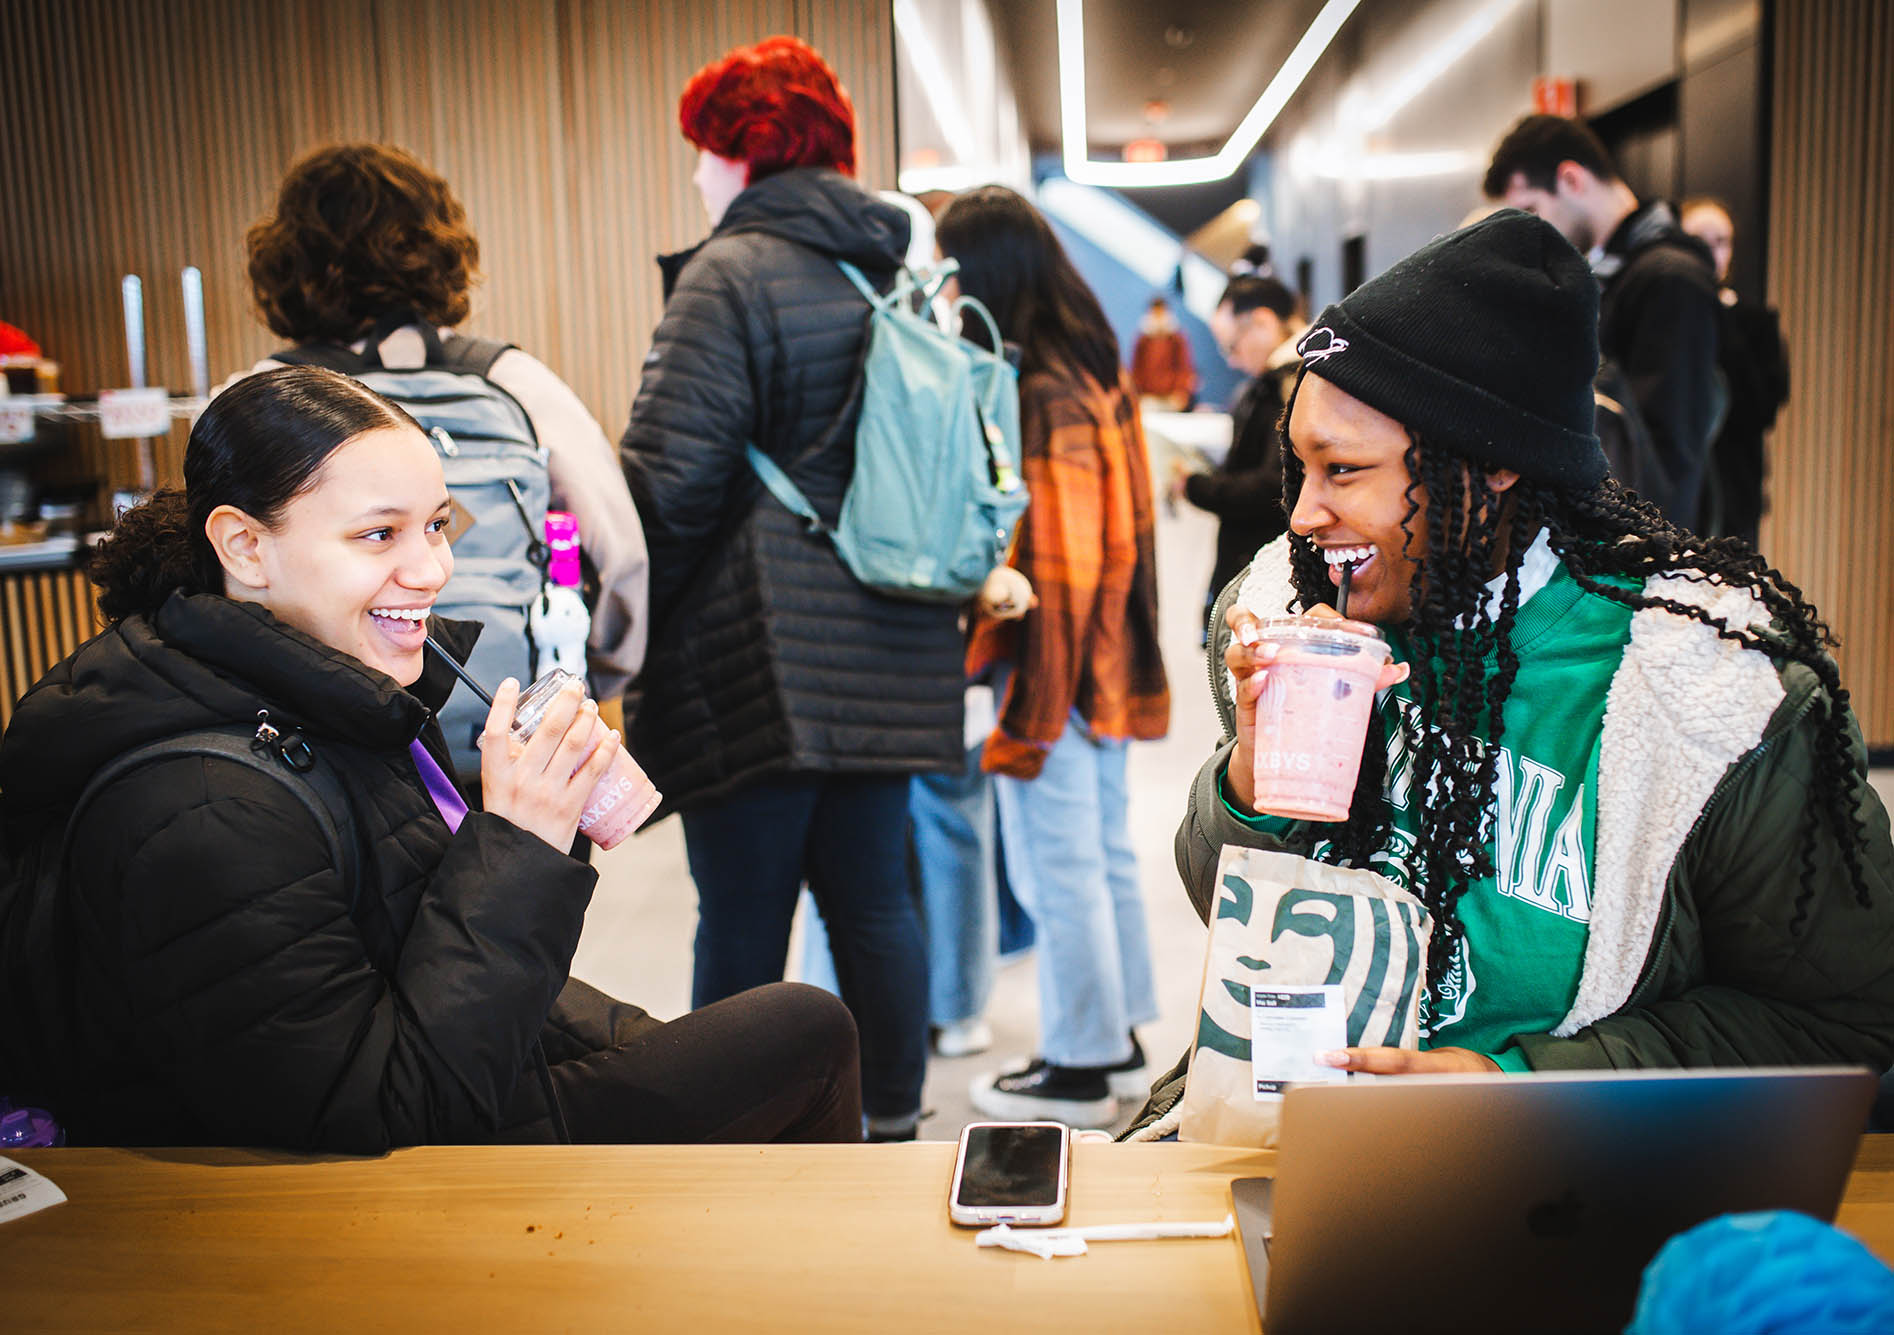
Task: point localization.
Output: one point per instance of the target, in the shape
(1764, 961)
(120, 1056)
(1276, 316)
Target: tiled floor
(637, 941)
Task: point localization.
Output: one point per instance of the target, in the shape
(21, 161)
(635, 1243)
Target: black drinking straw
(475, 686)
(1341, 593)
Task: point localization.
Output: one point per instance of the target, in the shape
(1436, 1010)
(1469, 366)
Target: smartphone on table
(1010, 1173)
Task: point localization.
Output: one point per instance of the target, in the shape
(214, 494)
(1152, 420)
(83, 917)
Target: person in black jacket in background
(1755, 363)
(1657, 314)
(1256, 328)
(222, 980)
(783, 706)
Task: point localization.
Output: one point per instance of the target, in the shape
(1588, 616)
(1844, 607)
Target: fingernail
(1257, 677)
(1247, 633)
(509, 682)
(1331, 1059)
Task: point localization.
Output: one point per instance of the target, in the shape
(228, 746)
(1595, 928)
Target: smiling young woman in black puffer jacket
(223, 980)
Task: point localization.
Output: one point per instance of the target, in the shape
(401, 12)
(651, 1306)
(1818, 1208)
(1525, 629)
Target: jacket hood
(825, 211)
(815, 207)
(1648, 225)
(202, 661)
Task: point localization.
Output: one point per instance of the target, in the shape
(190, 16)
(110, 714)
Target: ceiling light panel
(1181, 171)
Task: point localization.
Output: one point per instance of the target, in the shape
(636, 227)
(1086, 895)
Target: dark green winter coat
(1704, 783)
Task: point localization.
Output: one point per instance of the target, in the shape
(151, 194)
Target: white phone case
(1024, 1215)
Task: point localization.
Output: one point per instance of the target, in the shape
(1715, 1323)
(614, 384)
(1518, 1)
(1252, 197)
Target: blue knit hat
(1484, 341)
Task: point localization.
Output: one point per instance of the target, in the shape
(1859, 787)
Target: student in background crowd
(1256, 327)
(364, 232)
(1657, 321)
(1079, 676)
(221, 980)
(1700, 875)
(784, 706)
(1755, 366)
(1161, 369)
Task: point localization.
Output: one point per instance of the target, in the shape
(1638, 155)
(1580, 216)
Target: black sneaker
(1043, 1092)
(1129, 1079)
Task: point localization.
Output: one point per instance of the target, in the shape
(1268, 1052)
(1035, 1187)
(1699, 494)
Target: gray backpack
(496, 472)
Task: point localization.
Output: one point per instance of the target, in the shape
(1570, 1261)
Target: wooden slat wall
(144, 135)
(47, 614)
(1831, 273)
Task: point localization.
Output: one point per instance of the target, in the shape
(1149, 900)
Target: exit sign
(1555, 97)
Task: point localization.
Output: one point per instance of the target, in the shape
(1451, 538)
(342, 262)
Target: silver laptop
(1526, 1202)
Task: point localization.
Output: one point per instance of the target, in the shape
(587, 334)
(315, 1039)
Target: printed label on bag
(22, 1191)
(1288, 1026)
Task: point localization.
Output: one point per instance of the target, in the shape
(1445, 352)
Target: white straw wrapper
(1047, 1243)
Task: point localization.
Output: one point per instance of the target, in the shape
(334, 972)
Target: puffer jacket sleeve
(696, 409)
(1768, 978)
(248, 988)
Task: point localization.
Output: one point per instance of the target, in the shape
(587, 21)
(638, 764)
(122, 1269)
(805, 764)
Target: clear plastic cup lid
(1324, 635)
(535, 698)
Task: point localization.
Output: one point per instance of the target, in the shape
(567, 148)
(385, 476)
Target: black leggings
(775, 1063)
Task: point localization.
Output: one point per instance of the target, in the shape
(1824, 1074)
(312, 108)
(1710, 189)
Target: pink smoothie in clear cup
(1313, 715)
(618, 802)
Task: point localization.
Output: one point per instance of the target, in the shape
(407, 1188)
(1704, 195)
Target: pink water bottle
(560, 622)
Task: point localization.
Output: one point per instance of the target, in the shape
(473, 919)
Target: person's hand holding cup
(549, 765)
(1304, 691)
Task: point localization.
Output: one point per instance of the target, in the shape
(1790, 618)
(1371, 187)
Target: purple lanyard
(439, 787)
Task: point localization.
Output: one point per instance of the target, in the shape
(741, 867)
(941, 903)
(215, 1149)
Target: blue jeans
(847, 835)
(954, 862)
(953, 859)
(1069, 858)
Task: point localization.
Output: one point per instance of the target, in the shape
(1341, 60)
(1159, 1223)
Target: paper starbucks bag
(1302, 958)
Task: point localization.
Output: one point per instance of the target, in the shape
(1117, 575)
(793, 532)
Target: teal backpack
(936, 494)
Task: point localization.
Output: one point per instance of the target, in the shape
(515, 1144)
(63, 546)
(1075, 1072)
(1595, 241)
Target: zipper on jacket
(1213, 661)
(1656, 958)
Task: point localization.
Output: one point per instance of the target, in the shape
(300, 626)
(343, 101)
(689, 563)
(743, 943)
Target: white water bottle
(559, 622)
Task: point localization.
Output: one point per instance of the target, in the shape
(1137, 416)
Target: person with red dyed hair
(767, 108)
(784, 706)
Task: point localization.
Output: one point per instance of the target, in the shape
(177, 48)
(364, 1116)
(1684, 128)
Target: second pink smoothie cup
(618, 802)
(1312, 717)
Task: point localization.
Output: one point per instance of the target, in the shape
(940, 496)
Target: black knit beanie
(1483, 341)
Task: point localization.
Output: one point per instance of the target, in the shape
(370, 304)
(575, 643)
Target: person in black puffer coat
(221, 979)
(783, 706)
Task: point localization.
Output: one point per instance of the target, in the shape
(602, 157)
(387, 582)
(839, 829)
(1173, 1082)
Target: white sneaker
(963, 1038)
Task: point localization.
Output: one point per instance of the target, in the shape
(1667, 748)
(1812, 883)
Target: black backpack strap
(469, 356)
(315, 786)
(456, 352)
(329, 356)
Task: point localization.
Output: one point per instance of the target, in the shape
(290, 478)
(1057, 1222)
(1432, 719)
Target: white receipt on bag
(1288, 1026)
(22, 1191)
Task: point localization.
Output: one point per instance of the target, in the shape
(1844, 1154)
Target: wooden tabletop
(804, 1238)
